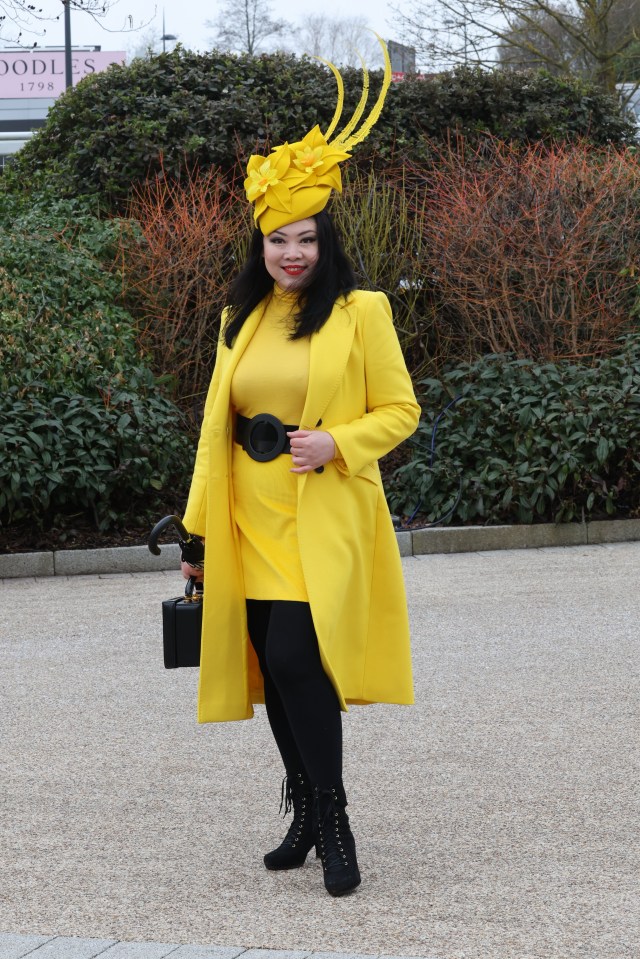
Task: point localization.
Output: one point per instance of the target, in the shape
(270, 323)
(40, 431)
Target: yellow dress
(272, 376)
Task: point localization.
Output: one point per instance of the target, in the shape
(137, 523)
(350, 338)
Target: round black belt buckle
(266, 437)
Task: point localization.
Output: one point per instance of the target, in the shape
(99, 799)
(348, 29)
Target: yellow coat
(360, 391)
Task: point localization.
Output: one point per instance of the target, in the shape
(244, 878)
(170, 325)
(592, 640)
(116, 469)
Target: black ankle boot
(297, 794)
(334, 840)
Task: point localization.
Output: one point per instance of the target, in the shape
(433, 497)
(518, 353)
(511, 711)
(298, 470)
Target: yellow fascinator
(296, 179)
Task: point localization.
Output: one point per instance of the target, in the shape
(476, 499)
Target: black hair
(332, 277)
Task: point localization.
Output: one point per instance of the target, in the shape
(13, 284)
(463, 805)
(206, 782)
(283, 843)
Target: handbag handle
(194, 590)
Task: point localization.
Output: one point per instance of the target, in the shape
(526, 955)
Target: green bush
(528, 443)
(63, 326)
(105, 458)
(521, 106)
(202, 110)
(84, 354)
(58, 292)
(84, 427)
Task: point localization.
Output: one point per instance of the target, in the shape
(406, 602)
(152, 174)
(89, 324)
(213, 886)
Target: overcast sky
(186, 19)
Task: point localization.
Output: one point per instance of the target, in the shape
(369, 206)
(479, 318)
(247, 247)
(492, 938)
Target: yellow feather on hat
(296, 179)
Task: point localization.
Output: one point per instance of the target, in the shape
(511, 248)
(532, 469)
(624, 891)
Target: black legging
(302, 706)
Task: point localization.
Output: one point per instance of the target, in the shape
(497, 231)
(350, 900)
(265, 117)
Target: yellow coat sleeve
(195, 514)
(392, 411)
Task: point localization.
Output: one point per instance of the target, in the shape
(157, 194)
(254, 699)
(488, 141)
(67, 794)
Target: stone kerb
(86, 562)
(128, 559)
(448, 539)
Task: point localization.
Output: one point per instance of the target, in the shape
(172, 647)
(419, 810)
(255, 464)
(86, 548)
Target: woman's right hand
(188, 571)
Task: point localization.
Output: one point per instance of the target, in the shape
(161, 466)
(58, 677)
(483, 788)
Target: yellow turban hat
(296, 179)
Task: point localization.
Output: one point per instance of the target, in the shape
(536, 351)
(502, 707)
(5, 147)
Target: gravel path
(498, 819)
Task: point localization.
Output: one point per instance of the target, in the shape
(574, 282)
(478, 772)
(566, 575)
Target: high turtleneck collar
(284, 296)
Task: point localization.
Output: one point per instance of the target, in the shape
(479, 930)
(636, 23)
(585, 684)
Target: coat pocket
(370, 472)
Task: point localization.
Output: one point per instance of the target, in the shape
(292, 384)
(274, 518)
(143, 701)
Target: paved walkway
(66, 947)
(498, 819)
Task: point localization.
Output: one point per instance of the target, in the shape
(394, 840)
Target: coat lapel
(232, 358)
(328, 354)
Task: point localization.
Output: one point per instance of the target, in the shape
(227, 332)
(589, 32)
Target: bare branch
(339, 39)
(583, 37)
(19, 17)
(242, 26)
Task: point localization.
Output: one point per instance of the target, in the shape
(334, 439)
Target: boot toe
(342, 885)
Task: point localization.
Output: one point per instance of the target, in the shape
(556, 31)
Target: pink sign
(397, 76)
(40, 73)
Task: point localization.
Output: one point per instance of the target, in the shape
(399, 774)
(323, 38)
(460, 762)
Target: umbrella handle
(162, 525)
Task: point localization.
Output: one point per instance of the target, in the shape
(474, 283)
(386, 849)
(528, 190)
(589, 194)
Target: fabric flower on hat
(264, 184)
(318, 159)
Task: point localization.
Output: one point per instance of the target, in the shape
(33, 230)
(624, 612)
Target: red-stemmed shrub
(501, 248)
(177, 261)
(529, 250)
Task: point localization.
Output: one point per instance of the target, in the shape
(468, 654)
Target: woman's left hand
(310, 449)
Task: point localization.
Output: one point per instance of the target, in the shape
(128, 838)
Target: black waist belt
(263, 437)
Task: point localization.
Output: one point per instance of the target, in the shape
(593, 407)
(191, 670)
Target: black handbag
(182, 627)
(182, 616)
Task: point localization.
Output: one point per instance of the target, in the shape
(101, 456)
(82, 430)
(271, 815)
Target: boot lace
(293, 797)
(333, 828)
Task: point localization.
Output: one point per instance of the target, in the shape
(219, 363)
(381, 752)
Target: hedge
(85, 427)
(64, 455)
(521, 442)
(113, 128)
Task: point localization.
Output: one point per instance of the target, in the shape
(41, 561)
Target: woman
(304, 607)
